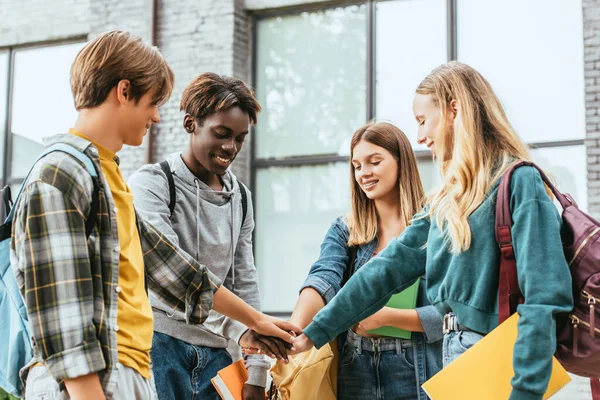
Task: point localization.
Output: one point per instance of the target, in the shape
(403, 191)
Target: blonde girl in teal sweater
(452, 240)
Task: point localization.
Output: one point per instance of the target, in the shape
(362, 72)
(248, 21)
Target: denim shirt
(326, 276)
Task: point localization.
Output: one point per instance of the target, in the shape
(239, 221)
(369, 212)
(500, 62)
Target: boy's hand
(253, 343)
(85, 387)
(251, 392)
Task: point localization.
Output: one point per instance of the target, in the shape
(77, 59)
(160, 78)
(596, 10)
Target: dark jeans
(386, 368)
(183, 371)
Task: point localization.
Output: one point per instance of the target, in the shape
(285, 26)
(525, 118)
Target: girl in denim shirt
(386, 191)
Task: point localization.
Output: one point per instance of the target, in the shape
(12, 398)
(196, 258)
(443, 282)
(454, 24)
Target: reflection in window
(535, 66)
(42, 102)
(295, 206)
(3, 94)
(311, 81)
(402, 61)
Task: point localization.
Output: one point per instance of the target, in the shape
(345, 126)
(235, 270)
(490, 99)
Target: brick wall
(195, 37)
(591, 35)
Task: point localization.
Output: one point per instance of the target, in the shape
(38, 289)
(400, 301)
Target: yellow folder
(485, 370)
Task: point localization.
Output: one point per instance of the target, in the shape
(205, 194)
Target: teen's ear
(124, 91)
(454, 108)
(188, 123)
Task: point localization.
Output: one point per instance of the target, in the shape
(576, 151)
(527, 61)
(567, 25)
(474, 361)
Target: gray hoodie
(206, 224)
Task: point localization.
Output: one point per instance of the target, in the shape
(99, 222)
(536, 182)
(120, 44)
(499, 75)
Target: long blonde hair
(362, 221)
(475, 149)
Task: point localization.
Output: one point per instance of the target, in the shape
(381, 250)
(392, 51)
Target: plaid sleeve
(175, 277)
(50, 245)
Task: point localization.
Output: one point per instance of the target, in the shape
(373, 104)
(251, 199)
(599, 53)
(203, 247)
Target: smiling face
(216, 142)
(375, 170)
(136, 118)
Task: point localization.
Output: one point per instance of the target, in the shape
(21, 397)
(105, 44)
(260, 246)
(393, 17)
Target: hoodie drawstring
(232, 250)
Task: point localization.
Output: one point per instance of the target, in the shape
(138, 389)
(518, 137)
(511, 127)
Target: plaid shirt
(70, 282)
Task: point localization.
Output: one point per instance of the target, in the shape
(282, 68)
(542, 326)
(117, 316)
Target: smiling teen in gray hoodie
(207, 223)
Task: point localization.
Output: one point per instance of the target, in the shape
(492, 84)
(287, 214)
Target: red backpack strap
(509, 293)
(595, 389)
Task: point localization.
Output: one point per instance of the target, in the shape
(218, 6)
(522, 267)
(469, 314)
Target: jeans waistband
(380, 344)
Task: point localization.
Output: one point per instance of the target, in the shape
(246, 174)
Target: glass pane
(430, 175)
(567, 167)
(294, 208)
(311, 81)
(402, 62)
(535, 66)
(42, 101)
(3, 94)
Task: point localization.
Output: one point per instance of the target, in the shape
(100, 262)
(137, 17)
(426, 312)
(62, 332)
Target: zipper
(591, 299)
(576, 321)
(583, 244)
(592, 303)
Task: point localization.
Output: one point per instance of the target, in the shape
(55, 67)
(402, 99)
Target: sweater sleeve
(373, 284)
(544, 280)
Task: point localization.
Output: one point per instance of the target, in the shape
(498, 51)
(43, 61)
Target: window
(322, 74)
(310, 110)
(567, 167)
(42, 103)
(402, 60)
(308, 107)
(295, 206)
(535, 66)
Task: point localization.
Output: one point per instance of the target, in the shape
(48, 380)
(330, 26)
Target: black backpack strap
(92, 217)
(164, 165)
(244, 193)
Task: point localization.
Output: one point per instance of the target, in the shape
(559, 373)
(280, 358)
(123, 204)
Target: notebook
(230, 380)
(485, 370)
(406, 299)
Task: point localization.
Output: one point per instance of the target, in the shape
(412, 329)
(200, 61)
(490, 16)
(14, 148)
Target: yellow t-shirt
(134, 316)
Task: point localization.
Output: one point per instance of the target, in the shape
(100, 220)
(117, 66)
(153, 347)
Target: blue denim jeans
(383, 369)
(183, 371)
(456, 343)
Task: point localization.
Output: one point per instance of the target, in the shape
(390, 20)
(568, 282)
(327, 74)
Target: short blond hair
(115, 56)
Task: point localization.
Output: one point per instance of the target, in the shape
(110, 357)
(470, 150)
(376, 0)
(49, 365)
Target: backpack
(164, 165)
(16, 350)
(578, 344)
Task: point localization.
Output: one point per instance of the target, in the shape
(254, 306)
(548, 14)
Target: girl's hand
(271, 326)
(254, 343)
(302, 344)
(377, 320)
